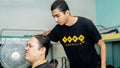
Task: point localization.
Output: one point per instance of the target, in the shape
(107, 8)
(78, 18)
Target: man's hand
(46, 32)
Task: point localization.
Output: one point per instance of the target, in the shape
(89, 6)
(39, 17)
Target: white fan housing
(12, 54)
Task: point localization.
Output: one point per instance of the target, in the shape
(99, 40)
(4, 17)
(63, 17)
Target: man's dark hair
(61, 5)
(44, 42)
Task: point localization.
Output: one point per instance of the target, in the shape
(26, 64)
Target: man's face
(32, 50)
(59, 16)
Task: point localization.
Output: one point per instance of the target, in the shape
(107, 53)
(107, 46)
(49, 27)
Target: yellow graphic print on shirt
(69, 39)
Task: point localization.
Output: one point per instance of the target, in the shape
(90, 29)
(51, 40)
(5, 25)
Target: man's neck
(71, 20)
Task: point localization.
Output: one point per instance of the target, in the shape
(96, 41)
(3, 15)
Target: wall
(36, 14)
(25, 14)
(108, 15)
(108, 12)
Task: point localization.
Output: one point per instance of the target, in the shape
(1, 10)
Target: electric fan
(12, 54)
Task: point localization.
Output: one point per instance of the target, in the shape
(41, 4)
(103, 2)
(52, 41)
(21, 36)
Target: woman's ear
(42, 50)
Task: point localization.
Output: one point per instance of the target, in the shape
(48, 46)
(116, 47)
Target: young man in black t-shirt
(78, 36)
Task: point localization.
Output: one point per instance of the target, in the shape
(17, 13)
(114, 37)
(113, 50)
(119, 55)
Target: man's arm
(46, 32)
(102, 46)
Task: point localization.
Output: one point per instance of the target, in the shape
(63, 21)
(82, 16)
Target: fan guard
(13, 53)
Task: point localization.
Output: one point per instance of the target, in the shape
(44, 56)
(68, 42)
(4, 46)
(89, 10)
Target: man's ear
(42, 50)
(67, 12)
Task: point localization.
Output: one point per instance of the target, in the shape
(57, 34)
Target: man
(54, 63)
(37, 50)
(78, 36)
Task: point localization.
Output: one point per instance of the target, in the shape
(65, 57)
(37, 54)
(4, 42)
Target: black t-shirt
(78, 42)
(44, 65)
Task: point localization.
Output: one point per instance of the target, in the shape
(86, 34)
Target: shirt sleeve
(53, 36)
(93, 32)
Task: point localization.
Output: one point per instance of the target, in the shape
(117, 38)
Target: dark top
(78, 42)
(44, 65)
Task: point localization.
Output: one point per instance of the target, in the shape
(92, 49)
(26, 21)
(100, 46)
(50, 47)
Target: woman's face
(32, 50)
